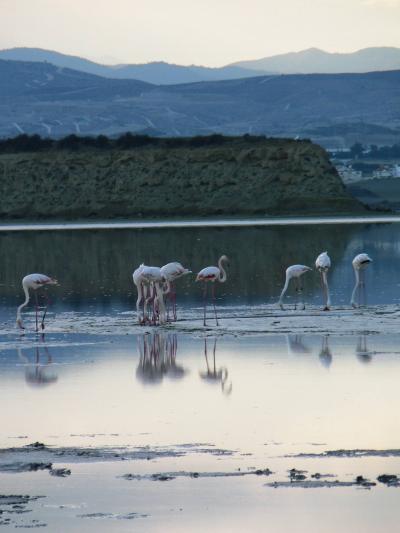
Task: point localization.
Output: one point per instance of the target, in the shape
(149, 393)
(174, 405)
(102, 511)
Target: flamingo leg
(301, 298)
(213, 300)
(46, 299)
(326, 290)
(205, 302)
(363, 297)
(174, 301)
(36, 311)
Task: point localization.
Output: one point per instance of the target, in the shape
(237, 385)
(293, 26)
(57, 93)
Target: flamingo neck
(222, 275)
(285, 288)
(26, 291)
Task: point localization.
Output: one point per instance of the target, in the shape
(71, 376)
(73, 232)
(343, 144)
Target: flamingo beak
(19, 324)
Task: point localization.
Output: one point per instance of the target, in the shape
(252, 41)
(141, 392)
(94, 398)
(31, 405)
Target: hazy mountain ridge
(308, 61)
(158, 72)
(41, 98)
(314, 61)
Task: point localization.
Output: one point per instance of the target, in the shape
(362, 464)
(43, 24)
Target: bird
(360, 263)
(34, 282)
(212, 273)
(323, 264)
(295, 272)
(142, 287)
(153, 276)
(171, 272)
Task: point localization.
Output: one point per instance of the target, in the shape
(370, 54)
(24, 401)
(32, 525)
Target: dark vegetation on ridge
(126, 141)
(138, 176)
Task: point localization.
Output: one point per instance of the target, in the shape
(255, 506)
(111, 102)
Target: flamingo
(294, 271)
(34, 282)
(323, 264)
(212, 273)
(171, 272)
(153, 276)
(141, 286)
(360, 263)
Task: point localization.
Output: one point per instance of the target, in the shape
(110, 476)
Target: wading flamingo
(212, 273)
(171, 272)
(323, 264)
(34, 282)
(153, 276)
(295, 272)
(142, 287)
(360, 263)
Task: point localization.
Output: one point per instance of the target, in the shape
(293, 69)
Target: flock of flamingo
(154, 284)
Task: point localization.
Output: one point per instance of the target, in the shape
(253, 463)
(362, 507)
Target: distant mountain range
(335, 110)
(308, 61)
(314, 61)
(157, 72)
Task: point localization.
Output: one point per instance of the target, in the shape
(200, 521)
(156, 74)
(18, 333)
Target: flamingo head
(19, 323)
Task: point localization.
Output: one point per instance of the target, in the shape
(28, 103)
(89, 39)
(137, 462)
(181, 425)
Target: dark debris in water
(102, 516)
(390, 480)
(168, 476)
(350, 453)
(15, 505)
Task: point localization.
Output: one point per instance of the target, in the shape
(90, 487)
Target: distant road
(198, 223)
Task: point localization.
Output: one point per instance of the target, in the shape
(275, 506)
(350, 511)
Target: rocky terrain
(238, 177)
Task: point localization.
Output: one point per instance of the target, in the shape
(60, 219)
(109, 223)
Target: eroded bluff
(273, 177)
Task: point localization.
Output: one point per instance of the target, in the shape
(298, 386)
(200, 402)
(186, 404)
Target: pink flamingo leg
(213, 299)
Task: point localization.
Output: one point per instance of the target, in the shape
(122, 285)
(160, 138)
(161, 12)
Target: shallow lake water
(118, 404)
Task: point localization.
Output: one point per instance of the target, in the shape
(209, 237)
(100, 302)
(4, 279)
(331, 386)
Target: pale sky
(202, 32)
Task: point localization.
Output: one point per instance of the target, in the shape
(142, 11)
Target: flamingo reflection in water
(157, 358)
(325, 353)
(214, 375)
(364, 355)
(296, 346)
(38, 372)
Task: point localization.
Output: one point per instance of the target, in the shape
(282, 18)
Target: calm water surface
(263, 395)
(94, 267)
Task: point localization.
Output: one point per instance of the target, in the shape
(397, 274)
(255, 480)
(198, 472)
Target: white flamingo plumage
(293, 272)
(171, 272)
(34, 282)
(142, 287)
(212, 274)
(360, 263)
(152, 276)
(323, 264)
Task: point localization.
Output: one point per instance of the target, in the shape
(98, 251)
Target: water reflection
(212, 374)
(157, 358)
(325, 353)
(296, 345)
(38, 371)
(364, 355)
